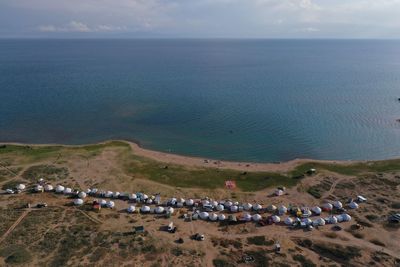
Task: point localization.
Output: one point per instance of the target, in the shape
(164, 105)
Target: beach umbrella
(256, 217)
(82, 194)
(276, 219)
(78, 202)
(247, 206)
(203, 215)
(131, 209)
(189, 202)
(353, 205)
(110, 204)
(221, 217)
(337, 204)
(288, 221)
(234, 208)
(20, 187)
(213, 217)
(48, 187)
(317, 210)
(59, 188)
(145, 209)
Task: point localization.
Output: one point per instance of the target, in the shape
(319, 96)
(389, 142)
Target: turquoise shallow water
(253, 100)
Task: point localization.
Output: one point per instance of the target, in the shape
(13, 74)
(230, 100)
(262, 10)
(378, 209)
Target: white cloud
(77, 26)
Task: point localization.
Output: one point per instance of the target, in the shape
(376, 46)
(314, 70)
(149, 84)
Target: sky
(200, 19)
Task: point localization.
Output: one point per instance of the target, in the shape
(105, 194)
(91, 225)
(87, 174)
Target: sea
(240, 100)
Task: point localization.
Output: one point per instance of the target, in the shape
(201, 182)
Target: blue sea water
(252, 100)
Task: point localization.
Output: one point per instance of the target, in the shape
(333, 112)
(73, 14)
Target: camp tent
(228, 204)
(282, 210)
(318, 222)
(145, 209)
(234, 208)
(327, 207)
(20, 187)
(204, 215)
(288, 221)
(48, 187)
(60, 189)
(213, 217)
(110, 204)
(353, 205)
(116, 194)
(78, 202)
(82, 194)
(67, 191)
(189, 202)
(39, 188)
(103, 203)
(317, 210)
(220, 207)
(131, 209)
(257, 207)
(271, 208)
(159, 210)
(337, 204)
(108, 194)
(247, 206)
(132, 196)
(221, 217)
(276, 219)
(256, 217)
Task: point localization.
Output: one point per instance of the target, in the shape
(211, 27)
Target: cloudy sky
(201, 18)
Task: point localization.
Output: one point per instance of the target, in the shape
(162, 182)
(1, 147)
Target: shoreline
(202, 162)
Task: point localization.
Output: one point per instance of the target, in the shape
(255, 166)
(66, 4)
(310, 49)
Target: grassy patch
(15, 254)
(259, 241)
(222, 263)
(304, 262)
(48, 172)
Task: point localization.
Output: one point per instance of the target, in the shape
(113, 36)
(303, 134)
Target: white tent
(181, 200)
(317, 210)
(132, 197)
(345, 217)
(236, 203)
(39, 188)
(205, 202)
(337, 204)
(149, 201)
(289, 221)
(103, 202)
(256, 217)
(189, 202)
(307, 213)
(144, 197)
(82, 194)
(247, 206)
(48, 187)
(20, 187)
(213, 217)
(327, 206)
(145, 209)
(332, 219)
(353, 205)
(60, 189)
(257, 207)
(307, 221)
(204, 215)
(221, 217)
(318, 222)
(169, 210)
(247, 217)
(220, 207)
(271, 208)
(110, 204)
(214, 203)
(109, 194)
(276, 219)
(279, 192)
(159, 210)
(116, 194)
(131, 209)
(228, 204)
(94, 191)
(78, 202)
(282, 210)
(234, 208)
(88, 191)
(67, 191)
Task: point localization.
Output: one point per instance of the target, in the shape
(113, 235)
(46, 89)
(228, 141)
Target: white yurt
(149, 201)
(132, 196)
(257, 207)
(103, 203)
(228, 204)
(221, 217)
(108, 194)
(337, 204)
(220, 207)
(346, 217)
(67, 191)
(159, 210)
(110, 204)
(20, 187)
(246, 217)
(116, 194)
(144, 197)
(82, 194)
(331, 220)
(39, 188)
(205, 202)
(307, 213)
(213, 217)
(145, 209)
(288, 221)
(307, 221)
(236, 203)
(203, 215)
(179, 204)
(169, 210)
(317, 210)
(282, 210)
(48, 187)
(247, 206)
(189, 202)
(234, 208)
(94, 191)
(271, 208)
(131, 209)
(78, 202)
(214, 203)
(256, 217)
(327, 206)
(279, 192)
(59, 188)
(276, 219)
(353, 205)
(318, 222)
(88, 191)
